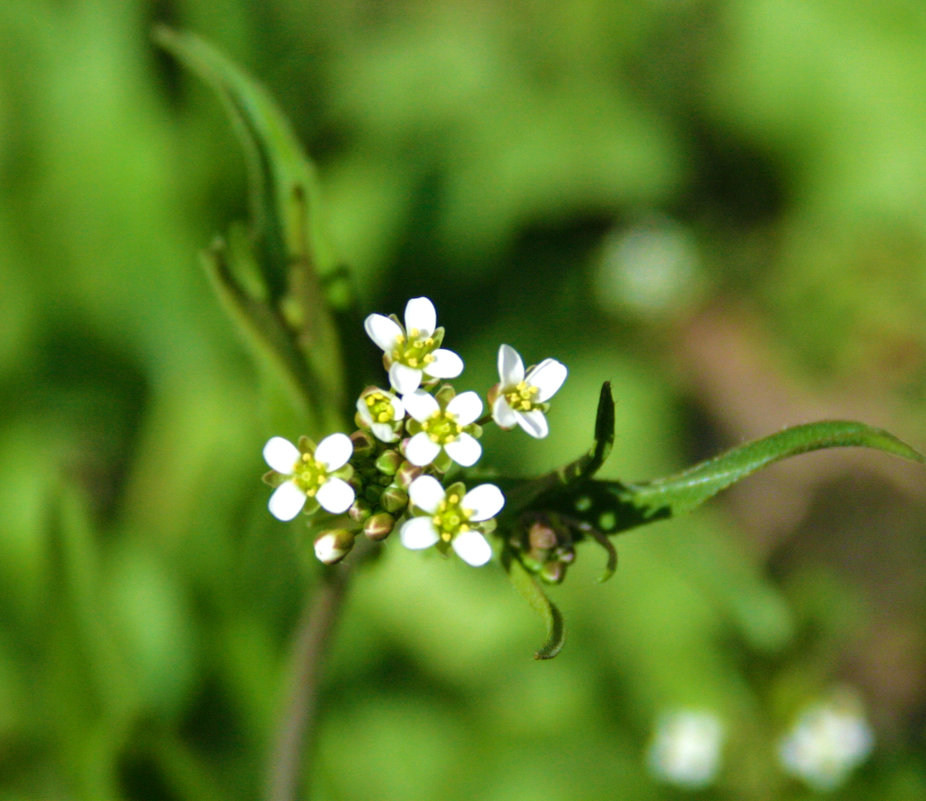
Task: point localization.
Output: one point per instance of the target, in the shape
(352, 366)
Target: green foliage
(501, 159)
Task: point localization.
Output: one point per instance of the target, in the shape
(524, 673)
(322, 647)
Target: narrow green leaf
(675, 495)
(614, 506)
(287, 264)
(530, 590)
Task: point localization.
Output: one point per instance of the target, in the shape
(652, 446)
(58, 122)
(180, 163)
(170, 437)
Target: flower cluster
(396, 471)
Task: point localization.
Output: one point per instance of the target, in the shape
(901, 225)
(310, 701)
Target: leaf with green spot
(530, 590)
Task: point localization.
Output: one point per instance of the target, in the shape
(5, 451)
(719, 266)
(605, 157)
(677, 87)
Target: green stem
(291, 756)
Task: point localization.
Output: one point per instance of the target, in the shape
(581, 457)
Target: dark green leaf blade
(685, 491)
(530, 590)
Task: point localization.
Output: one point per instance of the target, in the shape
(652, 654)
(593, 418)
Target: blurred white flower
(308, 475)
(411, 351)
(827, 742)
(452, 517)
(522, 398)
(685, 748)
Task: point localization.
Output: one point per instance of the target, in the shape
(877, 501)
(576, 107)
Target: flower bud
(553, 572)
(379, 526)
(407, 473)
(541, 536)
(364, 444)
(388, 462)
(333, 545)
(360, 510)
(394, 499)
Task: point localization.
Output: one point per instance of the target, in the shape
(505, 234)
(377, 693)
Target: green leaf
(530, 590)
(281, 281)
(613, 506)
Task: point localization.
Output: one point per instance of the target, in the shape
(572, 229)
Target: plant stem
(293, 745)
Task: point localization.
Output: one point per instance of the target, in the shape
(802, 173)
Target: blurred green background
(718, 206)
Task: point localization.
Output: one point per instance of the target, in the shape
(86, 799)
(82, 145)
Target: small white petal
(421, 450)
(421, 405)
(503, 414)
(383, 331)
(334, 451)
(281, 455)
(335, 496)
(426, 493)
(446, 364)
(287, 501)
(398, 408)
(533, 422)
(364, 411)
(421, 314)
(484, 501)
(465, 450)
(472, 548)
(510, 366)
(404, 378)
(418, 533)
(466, 407)
(548, 377)
(383, 431)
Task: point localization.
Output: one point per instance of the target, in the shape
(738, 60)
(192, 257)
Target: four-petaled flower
(452, 518)
(414, 350)
(522, 398)
(380, 411)
(443, 428)
(308, 474)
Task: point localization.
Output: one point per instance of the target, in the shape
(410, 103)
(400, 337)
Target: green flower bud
(553, 572)
(360, 510)
(333, 545)
(407, 473)
(364, 444)
(394, 499)
(388, 462)
(379, 526)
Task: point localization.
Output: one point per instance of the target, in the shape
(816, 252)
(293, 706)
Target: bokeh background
(718, 206)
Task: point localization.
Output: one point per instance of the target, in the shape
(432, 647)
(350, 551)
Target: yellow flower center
(414, 350)
(521, 398)
(450, 518)
(309, 474)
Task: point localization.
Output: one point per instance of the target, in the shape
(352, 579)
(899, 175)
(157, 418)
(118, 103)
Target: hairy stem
(292, 750)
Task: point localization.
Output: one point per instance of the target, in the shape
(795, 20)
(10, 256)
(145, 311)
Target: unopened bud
(553, 572)
(388, 462)
(333, 545)
(379, 526)
(541, 536)
(364, 444)
(394, 499)
(360, 510)
(407, 473)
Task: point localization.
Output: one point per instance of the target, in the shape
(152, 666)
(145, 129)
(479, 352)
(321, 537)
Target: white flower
(414, 350)
(308, 475)
(450, 518)
(380, 410)
(685, 749)
(827, 742)
(522, 398)
(442, 429)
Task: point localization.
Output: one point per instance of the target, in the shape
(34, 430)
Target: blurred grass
(494, 157)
